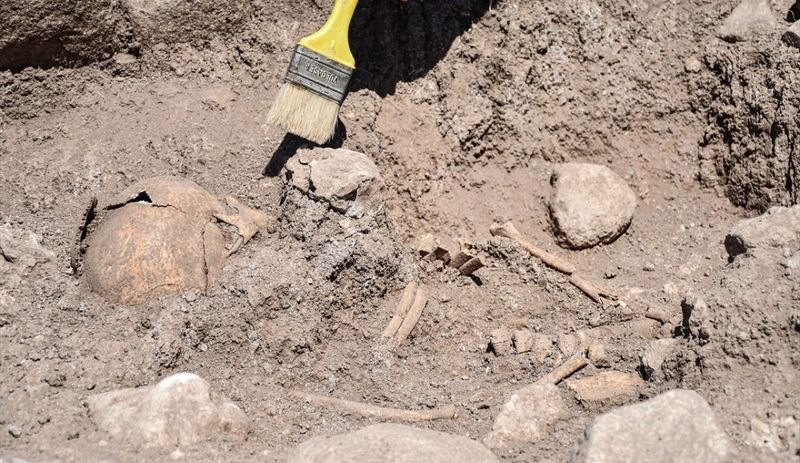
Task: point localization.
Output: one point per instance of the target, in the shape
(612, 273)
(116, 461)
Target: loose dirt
(465, 107)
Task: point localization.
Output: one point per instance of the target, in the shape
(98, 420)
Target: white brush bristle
(304, 113)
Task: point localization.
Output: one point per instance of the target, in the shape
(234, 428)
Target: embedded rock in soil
(391, 443)
(177, 21)
(161, 236)
(347, 180)
(20, 252)
(589, 205)
(675, 426)
(45, 33)
(750, 18)
(333, 203)
(527, 416)
(179, 411)
(654, 356)
(778, 228)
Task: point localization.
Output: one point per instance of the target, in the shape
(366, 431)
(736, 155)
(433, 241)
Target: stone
(606, 385)
(678, 425)
(792, 262)
(160, 237)
(500, 341)
(653, 357)
(589, 205)
(695, 317)
(523, 341)
(778, 435)
(792, 35)
(692, 65)
(15, 431)
(179, 411)
(750, 18)
(348, 181)
(20, 254)
(597, 355)
(391, 443)
(527, 416)
(778, 228)
(179, 21)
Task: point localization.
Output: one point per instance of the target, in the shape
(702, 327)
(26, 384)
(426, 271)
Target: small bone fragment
(362, 409)
(460, 258)
(426, 245)
(402, 309)
(657, 314)
(439, 253)
(566, 369)
(246, 220)
(413, 315)
(501, 341)
(508, 230)
(472, 266)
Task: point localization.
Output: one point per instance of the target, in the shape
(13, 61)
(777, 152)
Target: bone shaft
(402, 309)
(587, 287)
(413, 316)
(566, 369)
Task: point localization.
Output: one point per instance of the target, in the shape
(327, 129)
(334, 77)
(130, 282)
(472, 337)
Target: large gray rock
(177, 412)
(589, 205)
(675, 426)
(391, 443)
(778, 228)
(750, 18)
(527, 416)
(59, 32)
(347, 180)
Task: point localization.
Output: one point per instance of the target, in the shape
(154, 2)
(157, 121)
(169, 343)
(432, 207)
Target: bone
(508, 230)
(472, 266)
(412, 317)
(383, 413)
(657, 314)
(402, 309)
(566, 369)
(460, 258)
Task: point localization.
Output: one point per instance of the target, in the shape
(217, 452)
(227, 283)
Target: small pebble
(15, 431)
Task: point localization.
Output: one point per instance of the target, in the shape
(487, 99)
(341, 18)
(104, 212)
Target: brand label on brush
(319, 74)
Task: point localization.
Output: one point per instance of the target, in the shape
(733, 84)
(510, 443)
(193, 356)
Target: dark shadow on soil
(794, 13)
(396, 41)
(291, 143)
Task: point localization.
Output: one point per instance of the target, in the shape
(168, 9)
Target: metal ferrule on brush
(319, 74)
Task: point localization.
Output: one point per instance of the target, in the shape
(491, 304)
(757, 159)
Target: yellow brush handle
(332, 40)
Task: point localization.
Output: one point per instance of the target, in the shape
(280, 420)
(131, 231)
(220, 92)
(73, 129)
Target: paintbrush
(316, 82)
